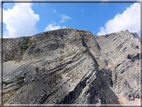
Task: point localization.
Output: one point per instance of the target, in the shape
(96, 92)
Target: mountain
(71, 66)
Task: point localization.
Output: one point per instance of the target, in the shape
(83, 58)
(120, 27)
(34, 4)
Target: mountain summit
(71, 66)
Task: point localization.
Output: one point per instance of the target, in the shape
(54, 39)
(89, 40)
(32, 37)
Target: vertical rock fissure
(71, 97)
(101, 83)
(89, 53)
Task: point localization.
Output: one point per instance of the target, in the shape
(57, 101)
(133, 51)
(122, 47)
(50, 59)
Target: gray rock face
(71, 66)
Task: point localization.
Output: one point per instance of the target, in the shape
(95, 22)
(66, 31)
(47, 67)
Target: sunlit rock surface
(71, 66)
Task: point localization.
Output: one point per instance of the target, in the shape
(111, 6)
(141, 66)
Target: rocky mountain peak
(71, 66)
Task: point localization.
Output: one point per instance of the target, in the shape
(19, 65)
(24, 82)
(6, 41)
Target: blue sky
(27, 19)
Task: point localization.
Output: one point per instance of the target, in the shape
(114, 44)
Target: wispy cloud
(82, 10)
(53, 26)
(54, 10)
(20, 20)
(129, 19)
(62, 16)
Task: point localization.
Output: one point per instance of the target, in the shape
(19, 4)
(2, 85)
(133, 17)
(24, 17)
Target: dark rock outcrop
(71, 66)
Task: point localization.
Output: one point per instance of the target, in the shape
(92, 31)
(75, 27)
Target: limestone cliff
(71, 66)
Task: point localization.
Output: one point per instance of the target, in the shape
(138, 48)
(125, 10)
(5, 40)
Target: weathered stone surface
(71, 66)
(123, 59)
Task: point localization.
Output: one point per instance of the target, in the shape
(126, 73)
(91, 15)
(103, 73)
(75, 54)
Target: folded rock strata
(71, 66)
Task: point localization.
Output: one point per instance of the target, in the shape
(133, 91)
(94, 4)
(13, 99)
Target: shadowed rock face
(71, 66)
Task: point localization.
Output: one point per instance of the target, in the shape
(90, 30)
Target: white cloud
(64, 17)
(20, 20)
(64, 27)
(53, 26)
(82, 10)
(129, 19)
(54, 10)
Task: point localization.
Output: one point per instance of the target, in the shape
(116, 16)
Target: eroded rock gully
(71, 66)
